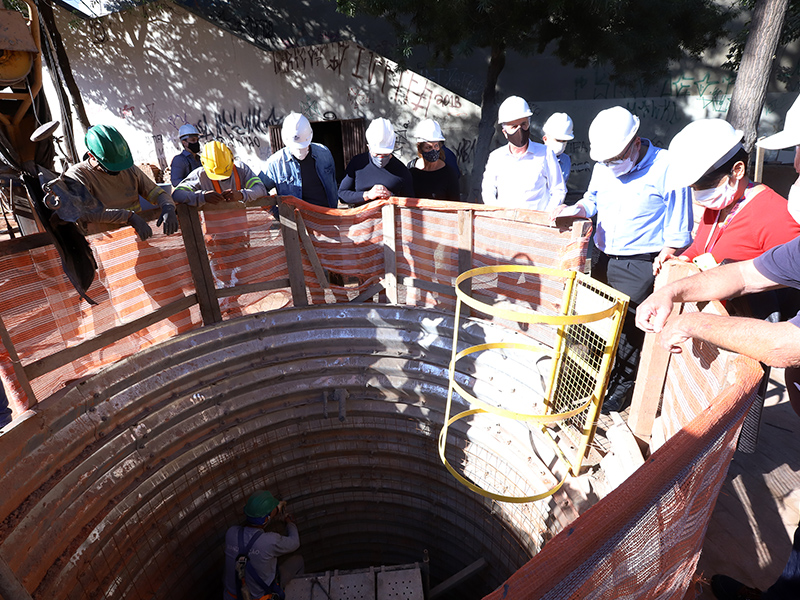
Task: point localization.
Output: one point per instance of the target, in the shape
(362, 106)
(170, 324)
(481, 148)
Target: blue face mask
(380, 161)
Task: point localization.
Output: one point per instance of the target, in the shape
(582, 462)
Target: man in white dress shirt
(522, 174)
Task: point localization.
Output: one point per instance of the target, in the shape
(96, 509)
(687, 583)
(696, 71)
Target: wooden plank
(457, 579)
(429, 286)
(389, 252)
(368, 293)
(16, 363)
(624, 448)
(62, 357)
(266, 286)
(265, 202)
(465, 249)
(311, 252)
(652, 374)
(294, 261)
(199, 265)
(25, 243)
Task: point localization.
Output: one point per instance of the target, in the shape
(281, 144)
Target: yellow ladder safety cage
(587, 329)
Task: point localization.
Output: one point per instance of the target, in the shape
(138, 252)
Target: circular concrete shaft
(122, 486)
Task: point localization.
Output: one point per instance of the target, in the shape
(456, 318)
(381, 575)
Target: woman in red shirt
(741, 219)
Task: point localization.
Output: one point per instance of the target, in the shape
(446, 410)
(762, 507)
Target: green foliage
(789, 33)
(15, 5)
(637, 38)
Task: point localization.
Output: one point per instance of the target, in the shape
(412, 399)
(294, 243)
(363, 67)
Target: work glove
(169, 219)
(140, 226)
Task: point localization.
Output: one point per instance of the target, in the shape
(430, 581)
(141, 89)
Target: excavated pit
(123, 485)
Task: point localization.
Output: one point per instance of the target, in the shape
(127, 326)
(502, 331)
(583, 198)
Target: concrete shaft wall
(122, 486)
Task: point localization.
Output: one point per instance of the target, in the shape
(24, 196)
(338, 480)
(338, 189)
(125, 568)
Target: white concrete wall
(148, 74)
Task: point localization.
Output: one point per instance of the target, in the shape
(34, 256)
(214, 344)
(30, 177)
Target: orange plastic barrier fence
(239, 261)
(644, 539)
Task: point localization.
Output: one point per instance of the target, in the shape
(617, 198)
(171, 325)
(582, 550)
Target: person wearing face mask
(377, 173)
(302, 169)
(640, 221)
(220, 179)
(431, 175)
(741, 219)
(749, 226)
(521, 174)
(788, 138)
(557, 131)
(189, 159)
(110, 176)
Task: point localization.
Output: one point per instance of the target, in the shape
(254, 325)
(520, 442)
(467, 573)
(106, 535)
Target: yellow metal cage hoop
(589, 404)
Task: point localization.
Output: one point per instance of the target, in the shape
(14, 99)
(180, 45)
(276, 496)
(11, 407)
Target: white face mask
(716, 198)
(556, 146)
(620, 168)
(380, 161)
(300, 153)
(794, 202)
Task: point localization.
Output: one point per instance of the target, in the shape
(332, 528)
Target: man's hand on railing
(233, 195)
(140, 226)
(169, 219)
(212, 197)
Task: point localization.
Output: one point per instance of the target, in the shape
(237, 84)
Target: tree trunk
(486, 128)
(752, 79)
(46, 12)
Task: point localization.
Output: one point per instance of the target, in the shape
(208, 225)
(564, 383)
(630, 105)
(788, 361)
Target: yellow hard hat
(217, 160)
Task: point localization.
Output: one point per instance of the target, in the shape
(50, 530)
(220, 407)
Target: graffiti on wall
(370, 77)
(238, 129)
(465, 150)
(713, 90)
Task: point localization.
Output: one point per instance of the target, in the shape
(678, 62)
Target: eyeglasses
(621, 156)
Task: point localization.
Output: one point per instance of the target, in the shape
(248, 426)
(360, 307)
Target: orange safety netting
(44, 315)
(641, 541)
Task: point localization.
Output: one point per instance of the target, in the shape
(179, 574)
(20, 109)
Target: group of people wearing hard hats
(306, 170)
(752, 234)
(640, 195)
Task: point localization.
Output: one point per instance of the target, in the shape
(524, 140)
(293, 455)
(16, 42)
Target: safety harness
(272, 591)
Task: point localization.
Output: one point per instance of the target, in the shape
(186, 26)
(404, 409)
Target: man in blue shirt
(640, 222)
(302, 169)
(188, 160)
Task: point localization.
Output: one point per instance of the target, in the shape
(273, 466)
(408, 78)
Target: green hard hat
(259, 505)
(109, 148)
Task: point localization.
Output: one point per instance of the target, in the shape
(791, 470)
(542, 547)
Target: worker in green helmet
(260, 557)
(110, 176)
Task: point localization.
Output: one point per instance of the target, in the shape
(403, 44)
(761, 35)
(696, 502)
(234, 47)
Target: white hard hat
(428, 131)
(558, 127)
(699, 148)
(790, 136)
(513, 108)
(187, 129)
(610, 132)
(380, 136)
(296, 131)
